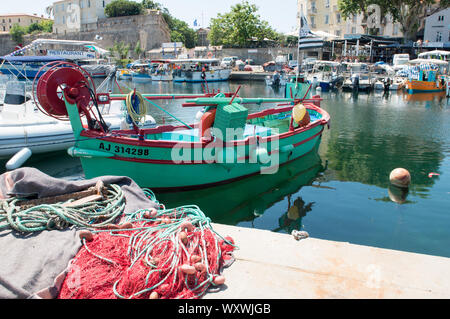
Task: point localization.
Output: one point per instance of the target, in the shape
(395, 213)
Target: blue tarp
(31, 59)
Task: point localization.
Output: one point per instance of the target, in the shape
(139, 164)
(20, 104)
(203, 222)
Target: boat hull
(196, 76)
(424, 86)
(181, 165)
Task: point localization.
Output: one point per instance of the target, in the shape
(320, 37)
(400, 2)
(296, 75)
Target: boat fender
(18, 159)
(206, 122)
(300, 115)
(287, 148)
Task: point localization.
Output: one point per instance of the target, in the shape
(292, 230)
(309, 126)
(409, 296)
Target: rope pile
(156, 254)
(96, 214)
(136, 107)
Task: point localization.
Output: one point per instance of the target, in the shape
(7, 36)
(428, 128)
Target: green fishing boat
(226, 145)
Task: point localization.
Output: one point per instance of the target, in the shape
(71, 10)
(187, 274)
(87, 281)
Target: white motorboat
(326, 75)
(360, 78)
(199, 70)
(277, 79)
(22, 125)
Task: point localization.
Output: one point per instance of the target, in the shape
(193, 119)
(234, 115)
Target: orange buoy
(219, 280)
(206, 122)
(195, 259)
(400, 177)
(188, 269)
(183, 237)
(154, 295)
(86, 234)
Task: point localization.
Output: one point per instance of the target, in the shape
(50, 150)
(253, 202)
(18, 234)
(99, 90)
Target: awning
(31, 59)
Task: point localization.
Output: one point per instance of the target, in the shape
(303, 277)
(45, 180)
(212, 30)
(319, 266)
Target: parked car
(229, 61)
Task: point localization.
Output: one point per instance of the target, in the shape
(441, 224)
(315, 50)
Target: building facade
(77, 15)
(7, 21)
(324, 15)
(437, 29)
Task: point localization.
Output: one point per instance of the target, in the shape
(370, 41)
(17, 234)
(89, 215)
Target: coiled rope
(136, 107)
(56, 216)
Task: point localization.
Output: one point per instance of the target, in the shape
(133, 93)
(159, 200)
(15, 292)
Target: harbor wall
(150, 29)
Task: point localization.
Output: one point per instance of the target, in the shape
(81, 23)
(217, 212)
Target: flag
(306, 39)
(195, 22)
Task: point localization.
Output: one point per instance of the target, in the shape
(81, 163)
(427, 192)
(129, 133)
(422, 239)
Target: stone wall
(151, 30)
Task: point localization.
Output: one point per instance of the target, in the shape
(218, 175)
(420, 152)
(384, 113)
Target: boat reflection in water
(425, 97)
(247, 199)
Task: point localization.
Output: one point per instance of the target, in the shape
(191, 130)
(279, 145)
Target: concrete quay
(271, 265)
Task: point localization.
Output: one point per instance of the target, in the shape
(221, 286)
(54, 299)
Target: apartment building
(437, 29)
(77, 15)
(7, 21)
(324, 15)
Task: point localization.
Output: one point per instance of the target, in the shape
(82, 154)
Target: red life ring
(210, 55)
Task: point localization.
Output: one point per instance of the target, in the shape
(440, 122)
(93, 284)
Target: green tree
(120, 52)
(138, 49)
(120, 8)
(408, 13)
(239, 26)
(46, 26)
(149, 4)
(17, 32)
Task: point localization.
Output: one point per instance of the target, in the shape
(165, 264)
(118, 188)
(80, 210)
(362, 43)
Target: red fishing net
(165, 254)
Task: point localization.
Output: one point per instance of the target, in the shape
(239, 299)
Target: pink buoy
(400, 177)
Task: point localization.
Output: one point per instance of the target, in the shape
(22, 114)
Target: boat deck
(276, 266)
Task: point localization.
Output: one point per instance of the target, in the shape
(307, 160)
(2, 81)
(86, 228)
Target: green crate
(231, 116)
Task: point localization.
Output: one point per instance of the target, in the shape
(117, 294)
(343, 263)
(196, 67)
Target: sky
(280, 14)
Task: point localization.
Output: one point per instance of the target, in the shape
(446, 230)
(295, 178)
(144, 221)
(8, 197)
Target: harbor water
(343, 192)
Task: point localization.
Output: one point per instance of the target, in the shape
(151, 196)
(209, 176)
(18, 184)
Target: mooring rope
(56, 216)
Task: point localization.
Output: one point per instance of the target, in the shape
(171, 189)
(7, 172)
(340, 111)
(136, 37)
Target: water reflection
(250, 198)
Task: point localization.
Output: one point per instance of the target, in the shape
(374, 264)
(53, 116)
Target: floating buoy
(154, 295)
(126, 225)
(18, 159)
(200, 267)
(183, 237)
(400, 177)
(150, 213)
(195, 259)
(300, 115)
(188, 269)
(86, 234)
(187, 226)
(219, 280)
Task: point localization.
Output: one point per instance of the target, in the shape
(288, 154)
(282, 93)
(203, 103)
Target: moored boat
(191, 156)
(426, 75)
(199, 70)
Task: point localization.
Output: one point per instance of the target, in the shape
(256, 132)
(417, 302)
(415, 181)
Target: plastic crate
(231, 116)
